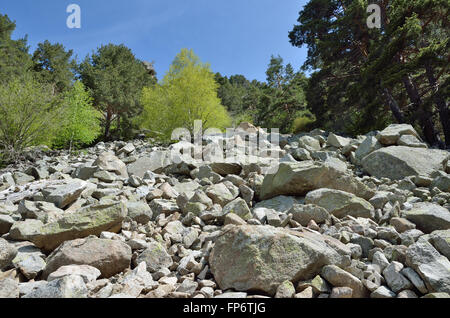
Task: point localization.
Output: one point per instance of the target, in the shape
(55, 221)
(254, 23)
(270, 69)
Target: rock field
(339, 218)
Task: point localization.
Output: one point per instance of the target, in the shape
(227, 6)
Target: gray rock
(398, 162)
(337, 277)
(109, 162)
(108, 256)
(260, 258)
(441, 241)
(340, 203)
(395, 280)
(302, 177)
(71, 286)
(392, 133)
(9, 288)
(156, 257)
(6, 222)
(139, 212)
(7, 253)
(432, 267)
(303, 214)
(87, 272)
(238, 207)
(383, 292)
(429, 217)
(64, 194)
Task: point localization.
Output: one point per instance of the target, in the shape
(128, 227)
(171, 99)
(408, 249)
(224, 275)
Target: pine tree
(115, 78)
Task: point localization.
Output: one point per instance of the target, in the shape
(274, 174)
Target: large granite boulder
(340, 203)
(299, 178)
(88, 221)
(260, 258)
(398, 162)
(108, 256)
(429, 217)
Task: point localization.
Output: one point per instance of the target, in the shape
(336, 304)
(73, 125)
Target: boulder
(303, 214)
(432, 267)
(88, 221)
(71, 286)
(299, 178)
(369, 145)
(429, 217)
(391, 134)
(398, 162)
(7, 253)
(156, 257)
(260, 258)
(156, 161)
(340, 203)
(109, 162)
(108, 256)
(238, 207)
(64, 194)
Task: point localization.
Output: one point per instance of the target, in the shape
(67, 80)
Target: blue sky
(234, 36)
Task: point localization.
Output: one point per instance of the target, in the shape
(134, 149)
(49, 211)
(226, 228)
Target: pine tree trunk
(395, 109)
(107, 125)
(444, 113)
(425, 116)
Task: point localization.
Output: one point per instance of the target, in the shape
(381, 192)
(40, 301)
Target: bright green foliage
(187, 93)
(81, 124)
(115, 78)
(29, 114)
(303, 123)
(14, 57)
(54, 65)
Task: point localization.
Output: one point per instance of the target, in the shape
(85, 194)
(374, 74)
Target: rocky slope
(339, 218)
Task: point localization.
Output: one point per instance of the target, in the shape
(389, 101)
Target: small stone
(341, 292)
(285, 290)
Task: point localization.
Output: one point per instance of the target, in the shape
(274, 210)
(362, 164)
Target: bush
(303, 123)
(81, 123)
(29, 115)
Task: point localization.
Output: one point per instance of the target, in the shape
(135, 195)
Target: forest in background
(361, 79)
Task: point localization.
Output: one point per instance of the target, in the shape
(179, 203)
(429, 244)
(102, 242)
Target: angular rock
(337, 277)
(429, 217)
(88, 221)
(238, 207)
(64, 194)
(7, 253)
(391, 134)
(71, 286)
(108, 256)
(87, 272)
(109, 162)
(340, 203)
(260, 258)
(398, 162)
(432, 267)
(303, 214)
(156, 257)
(302, 177)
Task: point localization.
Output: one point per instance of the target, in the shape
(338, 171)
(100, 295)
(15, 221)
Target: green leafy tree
(188, 92)
(115, 78)
(14, 57)
(81, 123)
(54, 65)
(29, 114)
